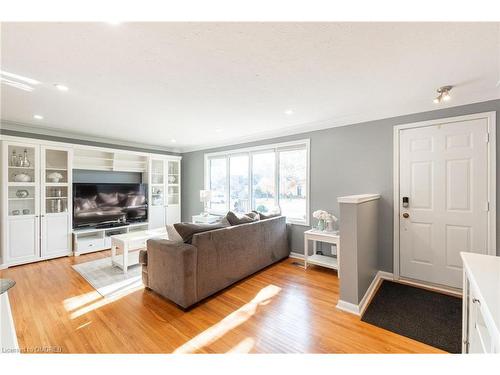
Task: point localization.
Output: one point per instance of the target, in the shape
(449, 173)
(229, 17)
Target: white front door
(443, 172)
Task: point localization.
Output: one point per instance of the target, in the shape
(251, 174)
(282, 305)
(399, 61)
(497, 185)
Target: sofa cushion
(268, 215)
(237, 219)
(173, 235)
(188, 230)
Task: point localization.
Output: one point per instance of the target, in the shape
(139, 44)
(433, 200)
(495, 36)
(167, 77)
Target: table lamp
(205, 197)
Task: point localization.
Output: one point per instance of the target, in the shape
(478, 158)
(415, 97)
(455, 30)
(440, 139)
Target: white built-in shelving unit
(37, 210)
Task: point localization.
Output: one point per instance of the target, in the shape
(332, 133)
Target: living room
(249, 187)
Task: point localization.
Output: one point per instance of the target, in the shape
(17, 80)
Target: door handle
(406, 215)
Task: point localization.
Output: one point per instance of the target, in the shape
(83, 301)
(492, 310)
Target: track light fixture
(443, 94)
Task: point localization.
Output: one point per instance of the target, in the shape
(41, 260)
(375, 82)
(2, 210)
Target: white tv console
(88, 240)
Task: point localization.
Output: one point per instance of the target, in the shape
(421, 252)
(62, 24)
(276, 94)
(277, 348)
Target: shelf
(21, 199)
(322, 260)
(56, 169)
(27, 168)
(56, 197)
(93, 158)
(21, 183)
(56, 184)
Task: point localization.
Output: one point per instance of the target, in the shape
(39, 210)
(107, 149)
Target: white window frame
(276, 148)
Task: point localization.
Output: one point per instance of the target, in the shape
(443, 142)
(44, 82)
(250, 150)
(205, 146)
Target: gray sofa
(187, 273)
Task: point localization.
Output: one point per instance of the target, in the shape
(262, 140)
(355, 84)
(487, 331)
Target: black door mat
(429, 317)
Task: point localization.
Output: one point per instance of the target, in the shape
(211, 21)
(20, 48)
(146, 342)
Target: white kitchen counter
(483, 273)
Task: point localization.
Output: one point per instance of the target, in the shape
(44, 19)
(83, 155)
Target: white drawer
(90, 243)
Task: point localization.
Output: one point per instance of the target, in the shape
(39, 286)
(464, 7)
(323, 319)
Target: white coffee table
(135, 241)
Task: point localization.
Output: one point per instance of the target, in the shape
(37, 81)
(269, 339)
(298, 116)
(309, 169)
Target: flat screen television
(102, 204)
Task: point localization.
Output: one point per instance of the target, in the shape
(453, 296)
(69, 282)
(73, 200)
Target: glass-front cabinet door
(157, 203)
(56, 193)
(173, 191)
(21, 198)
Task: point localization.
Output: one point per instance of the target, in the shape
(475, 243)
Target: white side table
(209, 219)
(321, 260)
(134, 240)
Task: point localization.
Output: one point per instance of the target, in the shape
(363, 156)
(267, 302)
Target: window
(260, 179)
(238, 183)
(293, 184)
(264, 181)
(218, 174)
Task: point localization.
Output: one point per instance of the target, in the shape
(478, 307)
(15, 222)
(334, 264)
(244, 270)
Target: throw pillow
(188, 230)
(236, 219)
(173, 235)
(268, 215)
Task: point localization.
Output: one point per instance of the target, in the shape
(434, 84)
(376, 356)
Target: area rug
(108, 280)
(429, 317)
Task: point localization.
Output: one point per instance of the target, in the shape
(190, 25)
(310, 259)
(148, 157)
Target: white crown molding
(52, 132)
(355, 119)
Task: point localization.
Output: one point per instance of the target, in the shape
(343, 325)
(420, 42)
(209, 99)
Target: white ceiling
(206, 84)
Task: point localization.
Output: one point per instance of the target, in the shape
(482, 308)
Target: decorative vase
(321, 225)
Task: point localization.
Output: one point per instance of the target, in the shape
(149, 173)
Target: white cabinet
(481, 303)
(22, 239)
(164, 203)
(36, 219)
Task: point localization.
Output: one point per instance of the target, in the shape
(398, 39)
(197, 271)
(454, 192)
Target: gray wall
(346, 160)
(358, 262)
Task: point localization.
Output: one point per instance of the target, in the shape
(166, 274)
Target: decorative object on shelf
(26, 211)
(16, 212)
(22, 193)
(205, 197)
(55, 177)
(57, 206)
(325, 220)
(172, 179)
(22, 177)
(56, 192)
(26, 163)
(13, 159)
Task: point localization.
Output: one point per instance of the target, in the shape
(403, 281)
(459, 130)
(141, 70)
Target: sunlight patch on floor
(244, 346)
(230, 322)
(73, 303)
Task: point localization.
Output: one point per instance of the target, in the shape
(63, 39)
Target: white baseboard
(360, 308)
(296, 255)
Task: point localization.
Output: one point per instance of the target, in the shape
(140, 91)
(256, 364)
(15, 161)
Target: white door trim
(491, 117)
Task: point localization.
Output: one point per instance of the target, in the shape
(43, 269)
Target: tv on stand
(109, 205)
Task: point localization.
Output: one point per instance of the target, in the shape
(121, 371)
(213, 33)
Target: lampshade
(205, 196)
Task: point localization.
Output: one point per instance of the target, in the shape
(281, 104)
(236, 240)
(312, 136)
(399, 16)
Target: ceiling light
(17, 85)
(218, 130)
(173, 140)
(288, 112)
(443, 94)
(38, 117)
(61, 87)
(18, 77)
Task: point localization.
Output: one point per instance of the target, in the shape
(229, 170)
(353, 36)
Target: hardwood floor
(282, 309)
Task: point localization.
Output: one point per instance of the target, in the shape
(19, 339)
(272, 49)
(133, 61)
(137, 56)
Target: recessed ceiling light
(288, 112)
(38, 117)
(18, 77)
(61, 87)
(173, 140)
(218, 130)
